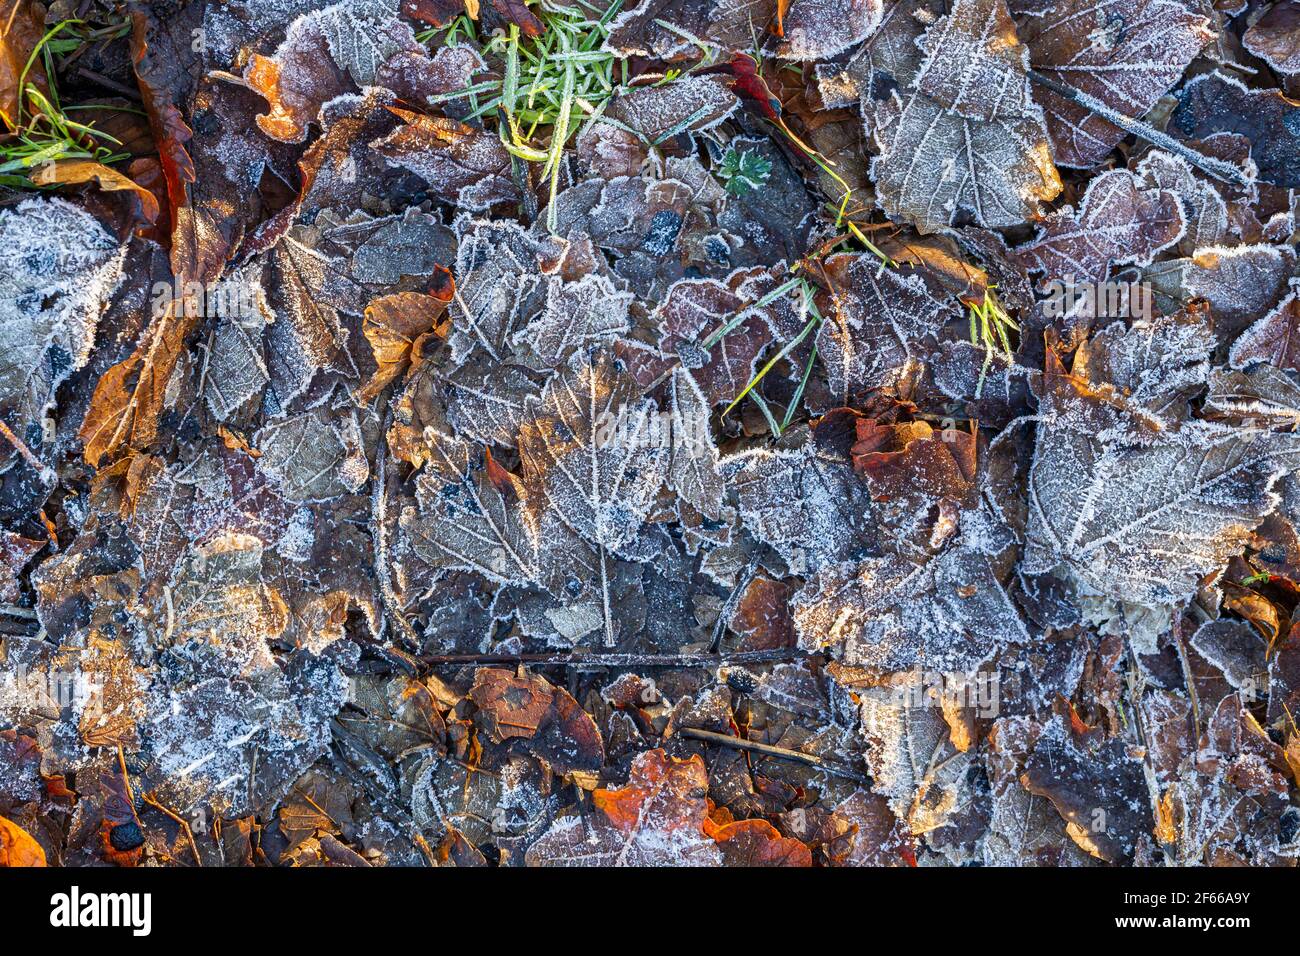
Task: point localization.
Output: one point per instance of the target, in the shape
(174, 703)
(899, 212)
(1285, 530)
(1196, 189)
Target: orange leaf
(756, 843)
(72, 171)
(17, 848)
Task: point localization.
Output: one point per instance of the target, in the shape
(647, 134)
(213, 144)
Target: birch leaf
(1124, 53)
(965, 137)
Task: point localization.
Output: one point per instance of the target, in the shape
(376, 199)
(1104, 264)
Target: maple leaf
(1110, 492)
(965, 136)
(1124, 53)
(1118, 222)
(657, 819)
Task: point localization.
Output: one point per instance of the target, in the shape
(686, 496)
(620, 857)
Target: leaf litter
(821, 432)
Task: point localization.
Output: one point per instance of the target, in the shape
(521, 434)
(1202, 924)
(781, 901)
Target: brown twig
(43, 471)
(780, 753)
(618, 660)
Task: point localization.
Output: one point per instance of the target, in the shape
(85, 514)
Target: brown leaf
(756, 843)
(658, 818)
(462, 163)
(397, 327)
(1274, 339)
(70, 171)
(22, 24)
(950, 148)
(1275, 37)
(548, 719)
(1125, 53)
(1118, 222)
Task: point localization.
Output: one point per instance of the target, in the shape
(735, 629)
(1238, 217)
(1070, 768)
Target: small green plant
(989, 325)
(807, 307)
(551, 85)
(41, 131)
(743, 171)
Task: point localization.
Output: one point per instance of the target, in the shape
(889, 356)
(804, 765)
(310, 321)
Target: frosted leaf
(889, 58)
(965, 136)
(880, 326)
(819, 29)
(731, 24)
(61, 269)
(311, 458)
(498, 287)
(487, 402)
(411, 244)
(807, 504)
(1140, 513)
(693, 309)
(297, 80)
(1124, 53)
(236, 371)
(464, 164)
(1204, 210)
(1264, 396)
(227, 693)
(1081, 777)
(362, 34)
(1156, 364)
(1274, 339)
(1240, 283)
(692, 103)
(398, 328)
(545, 718)
(910, 752)
(1220, 103)
(468, 521)
(693, 472)
(950, 613)
(1024, 829)
(576, 314)
(1275, 37)
(1118, 222)
(657, 819)
(600, 483)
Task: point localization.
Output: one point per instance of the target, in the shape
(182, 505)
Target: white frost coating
(60, 267)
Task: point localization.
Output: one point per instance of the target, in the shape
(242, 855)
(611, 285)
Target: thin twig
(617, 660)
(1215, 167)
(780, 753)
(43, 471)
(379, 531)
